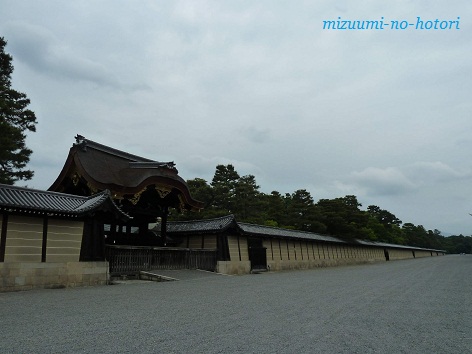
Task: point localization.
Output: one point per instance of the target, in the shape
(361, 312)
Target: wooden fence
(129, 260)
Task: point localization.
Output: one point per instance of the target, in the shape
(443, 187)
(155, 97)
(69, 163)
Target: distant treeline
(230, 193)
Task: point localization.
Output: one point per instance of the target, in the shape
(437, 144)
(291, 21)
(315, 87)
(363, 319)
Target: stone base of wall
(17, 276)
(244, 267)
(234, 268)
(309, 264)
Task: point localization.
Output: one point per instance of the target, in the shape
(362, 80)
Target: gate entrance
(131, 260)
(257, 254)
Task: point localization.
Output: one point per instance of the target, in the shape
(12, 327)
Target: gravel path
(411, 306)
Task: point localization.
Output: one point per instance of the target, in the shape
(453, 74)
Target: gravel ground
(411, 306)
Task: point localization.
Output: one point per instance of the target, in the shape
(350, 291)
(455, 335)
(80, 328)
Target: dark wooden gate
(130, 260)
(258, 258)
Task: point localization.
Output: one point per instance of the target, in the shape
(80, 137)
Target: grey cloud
(437, 171)
(383, 181)
(204, 167)
(403, 179)
(41, 51)
(255, 135)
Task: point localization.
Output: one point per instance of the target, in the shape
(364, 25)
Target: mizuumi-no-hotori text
(383, 24)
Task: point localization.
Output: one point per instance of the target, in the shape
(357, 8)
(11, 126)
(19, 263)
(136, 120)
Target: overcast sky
(381, 114)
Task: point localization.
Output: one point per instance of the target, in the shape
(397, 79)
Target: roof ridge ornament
(81, 142)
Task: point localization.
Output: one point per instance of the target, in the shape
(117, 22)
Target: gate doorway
(257, 254)
(130, 260)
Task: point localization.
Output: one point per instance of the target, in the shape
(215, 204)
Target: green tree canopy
(275, 209)
(302, 214)
(15, 121)
(224, 184)
(383, 216)
(341, 217)
(247, 200)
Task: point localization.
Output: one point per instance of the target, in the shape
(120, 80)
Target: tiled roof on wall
(279, 232)
(35, 201)
(226, 222)
(204, 225)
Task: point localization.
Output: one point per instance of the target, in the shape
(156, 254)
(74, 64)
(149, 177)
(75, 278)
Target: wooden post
(3, 237)
(45, 239)
(165, 211)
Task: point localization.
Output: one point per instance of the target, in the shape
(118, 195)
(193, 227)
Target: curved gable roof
(122, 173)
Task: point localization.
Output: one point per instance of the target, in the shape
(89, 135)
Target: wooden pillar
(239, 248)
(165, 212)
(45, 239)
(3, 236)
(288, 251)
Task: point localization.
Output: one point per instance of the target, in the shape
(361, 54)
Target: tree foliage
(224, 187)
(247, 201)
(343, 217)
(15, 121)
(340, 217)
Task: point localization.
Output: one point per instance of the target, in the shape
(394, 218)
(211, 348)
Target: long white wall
(31, 260)
(283, 254)
(24, 239)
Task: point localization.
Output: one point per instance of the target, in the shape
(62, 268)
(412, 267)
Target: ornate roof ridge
(84, 143)
(135, 161)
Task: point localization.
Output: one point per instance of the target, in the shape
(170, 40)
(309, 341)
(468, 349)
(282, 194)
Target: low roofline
(40, 202)
(221, 224)
(215, 225)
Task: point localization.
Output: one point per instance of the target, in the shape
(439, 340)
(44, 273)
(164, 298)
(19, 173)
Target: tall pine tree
(224, 184)
(15, 121)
